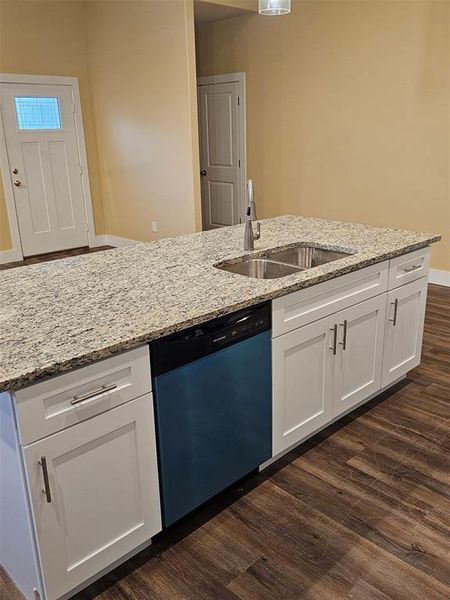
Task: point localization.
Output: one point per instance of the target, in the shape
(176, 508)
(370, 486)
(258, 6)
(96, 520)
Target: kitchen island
(61, 315)
(80, 488)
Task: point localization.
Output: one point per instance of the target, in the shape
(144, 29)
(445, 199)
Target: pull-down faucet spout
(249, 235)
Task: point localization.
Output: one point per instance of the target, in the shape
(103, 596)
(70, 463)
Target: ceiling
(212, 11)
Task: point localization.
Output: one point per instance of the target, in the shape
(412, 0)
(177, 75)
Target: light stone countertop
(63, 314)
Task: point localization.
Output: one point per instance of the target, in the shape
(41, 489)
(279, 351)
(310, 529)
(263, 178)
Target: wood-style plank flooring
(360, 511)
(32, 260)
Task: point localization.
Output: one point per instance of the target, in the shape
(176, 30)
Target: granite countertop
(63, 314)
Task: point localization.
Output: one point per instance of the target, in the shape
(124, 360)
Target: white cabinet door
(360, 353)
(302, 382)
(404, 329)
(102, 496)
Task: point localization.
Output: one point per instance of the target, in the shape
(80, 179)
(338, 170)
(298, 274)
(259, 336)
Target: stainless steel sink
(279, 263)
(260, 268)
(305, 257)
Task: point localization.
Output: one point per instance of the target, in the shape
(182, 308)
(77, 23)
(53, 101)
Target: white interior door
(219, 137)
(360, 352)
(102, 493)
(44, 162)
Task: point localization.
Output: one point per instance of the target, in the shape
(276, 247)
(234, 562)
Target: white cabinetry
(93, 493)
(302, 383)
(404, 329)
(86, 441)
(338, 343)
(325, 368)
(359, 353)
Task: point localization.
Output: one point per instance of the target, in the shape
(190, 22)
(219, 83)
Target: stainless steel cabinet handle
(394, 318)
(93, 394)
(46, 490)
(411, 268)
(334, 346)
(344, 338)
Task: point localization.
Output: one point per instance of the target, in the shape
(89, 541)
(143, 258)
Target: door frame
(17, 252)
(238, 78)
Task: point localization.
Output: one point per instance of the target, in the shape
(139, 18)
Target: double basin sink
(281, 262)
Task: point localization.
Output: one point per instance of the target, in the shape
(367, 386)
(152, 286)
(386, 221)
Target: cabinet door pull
(411, 268)
(93, 394)
(334, 346)
(394, 318)
(344, 337)
(46, 490)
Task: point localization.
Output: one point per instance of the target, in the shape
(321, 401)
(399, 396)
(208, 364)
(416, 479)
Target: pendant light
(274, 7)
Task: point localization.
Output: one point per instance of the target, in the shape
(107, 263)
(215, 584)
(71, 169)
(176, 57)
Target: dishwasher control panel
(240, 331)
(185, 346)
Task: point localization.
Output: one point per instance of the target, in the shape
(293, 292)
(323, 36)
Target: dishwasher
(212, 387)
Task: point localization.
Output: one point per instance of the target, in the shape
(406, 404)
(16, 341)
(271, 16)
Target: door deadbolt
(15, 171)
(17, 183)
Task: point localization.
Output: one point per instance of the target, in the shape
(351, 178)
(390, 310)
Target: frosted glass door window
(37, 113)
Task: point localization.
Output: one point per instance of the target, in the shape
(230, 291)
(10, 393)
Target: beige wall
(135, 61)
(48, 38)
(142, 67)
(348, 110)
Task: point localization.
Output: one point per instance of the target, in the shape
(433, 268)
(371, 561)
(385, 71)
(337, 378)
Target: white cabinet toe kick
(339, 343)
(79, 482)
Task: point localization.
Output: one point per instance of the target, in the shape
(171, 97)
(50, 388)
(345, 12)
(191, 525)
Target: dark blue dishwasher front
(212, 388)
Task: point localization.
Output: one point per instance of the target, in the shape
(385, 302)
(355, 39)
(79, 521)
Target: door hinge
(239, 163)
(239, 100)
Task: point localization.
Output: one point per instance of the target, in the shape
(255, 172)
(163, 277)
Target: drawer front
(65, 400)
(409, 267)
(308, 305)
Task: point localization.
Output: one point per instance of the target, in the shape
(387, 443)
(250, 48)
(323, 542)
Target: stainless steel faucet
(249, 235)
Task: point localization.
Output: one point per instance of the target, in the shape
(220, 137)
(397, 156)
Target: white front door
(220, 163)
(43, 156)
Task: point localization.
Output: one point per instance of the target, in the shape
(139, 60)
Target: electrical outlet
(154, 226)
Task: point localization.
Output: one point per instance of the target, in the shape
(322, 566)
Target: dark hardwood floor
(32, 260)
(360, 511)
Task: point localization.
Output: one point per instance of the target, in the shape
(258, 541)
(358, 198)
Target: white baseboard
(7, 256)
(439, 277)
(113, 240)
(99, 240)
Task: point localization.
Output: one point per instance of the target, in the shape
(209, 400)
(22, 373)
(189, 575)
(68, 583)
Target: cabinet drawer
(409, 267)
(64, 400)
(305, 306)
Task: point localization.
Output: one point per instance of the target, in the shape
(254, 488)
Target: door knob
(203, 173)
(17, 183)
